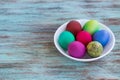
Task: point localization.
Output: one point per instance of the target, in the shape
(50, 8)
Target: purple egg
(76, 49)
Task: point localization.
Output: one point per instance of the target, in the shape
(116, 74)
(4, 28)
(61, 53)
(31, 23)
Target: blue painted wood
(27, 51)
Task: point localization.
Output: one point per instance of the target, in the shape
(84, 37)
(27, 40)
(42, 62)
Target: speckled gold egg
(94, 49)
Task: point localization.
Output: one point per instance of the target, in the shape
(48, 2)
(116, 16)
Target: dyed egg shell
(65, 39)
(102, 36)
(84, 37)
(94, 49)
(91, 26)
(76, 49)
(74, 27)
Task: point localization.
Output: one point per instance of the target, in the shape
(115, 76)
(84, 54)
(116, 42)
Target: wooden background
(27, 51)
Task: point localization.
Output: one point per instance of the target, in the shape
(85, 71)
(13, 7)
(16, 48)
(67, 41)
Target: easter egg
(84, 37)
(91, 26)
(102, 36)
(74, 27)
(76, 49)
(94, 49)
(65, 38)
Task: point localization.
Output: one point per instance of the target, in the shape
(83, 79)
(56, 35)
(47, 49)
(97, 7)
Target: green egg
(91, 26)
(65, 39)
(94, 49)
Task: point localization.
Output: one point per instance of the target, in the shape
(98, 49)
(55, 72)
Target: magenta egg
(76, 49)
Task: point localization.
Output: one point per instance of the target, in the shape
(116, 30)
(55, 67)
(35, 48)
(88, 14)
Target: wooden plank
(27, 51)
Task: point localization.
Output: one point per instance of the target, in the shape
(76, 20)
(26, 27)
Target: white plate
(107, 48)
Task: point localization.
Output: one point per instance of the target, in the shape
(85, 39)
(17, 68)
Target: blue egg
(102, 36)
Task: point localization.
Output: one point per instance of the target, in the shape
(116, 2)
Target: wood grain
(27, 51)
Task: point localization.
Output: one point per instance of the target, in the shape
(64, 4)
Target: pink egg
(84, 37)
(76, 49)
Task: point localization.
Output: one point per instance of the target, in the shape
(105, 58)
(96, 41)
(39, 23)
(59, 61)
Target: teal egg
(65, 39)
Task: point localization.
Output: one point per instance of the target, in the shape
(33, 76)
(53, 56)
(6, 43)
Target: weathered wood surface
(27, 51)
